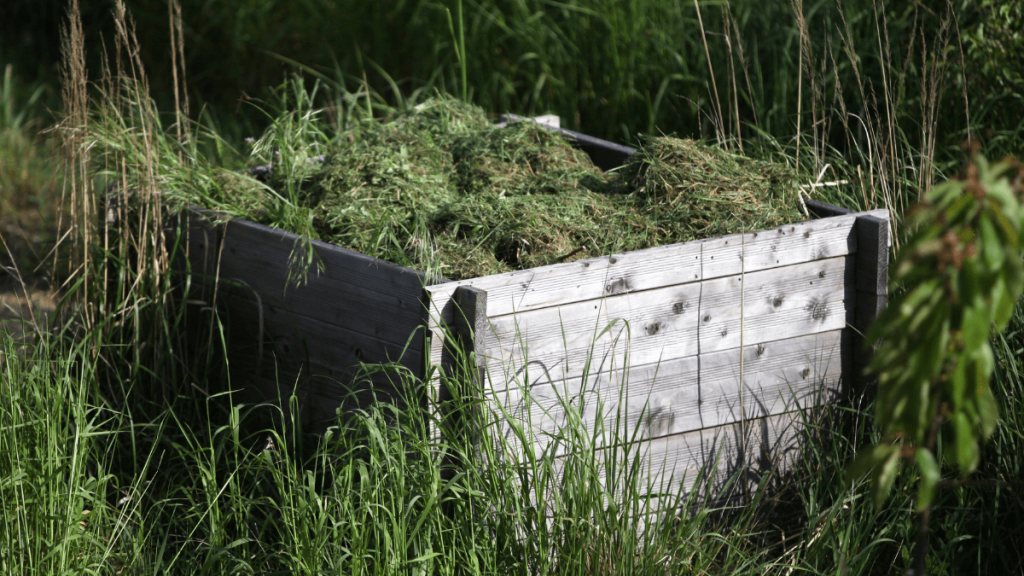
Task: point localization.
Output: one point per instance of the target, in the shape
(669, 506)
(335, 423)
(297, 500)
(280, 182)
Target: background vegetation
(120, 452)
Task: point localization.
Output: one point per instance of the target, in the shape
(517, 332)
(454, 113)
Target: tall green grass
(204, 486)
(29, 182)
(123, 449)
(612, 69)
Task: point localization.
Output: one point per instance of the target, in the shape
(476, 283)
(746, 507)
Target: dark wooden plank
(312, 339)
(465, 348)
(320, 399)
(471, 320)
(872, 285)
(604, 154)
(373, 297)
(351, 289)
(873, 255)
(458, 398)
(820, 209)
(266, 340)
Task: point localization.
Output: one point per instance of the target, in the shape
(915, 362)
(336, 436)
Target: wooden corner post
(470, 325)
(872, 287)
(462, 392)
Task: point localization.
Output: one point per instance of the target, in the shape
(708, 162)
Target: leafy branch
(961, 271)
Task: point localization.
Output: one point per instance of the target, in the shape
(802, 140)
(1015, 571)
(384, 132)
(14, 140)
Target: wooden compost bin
(657, 333)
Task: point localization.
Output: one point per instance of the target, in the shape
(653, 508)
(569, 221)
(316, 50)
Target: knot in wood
(818, 309)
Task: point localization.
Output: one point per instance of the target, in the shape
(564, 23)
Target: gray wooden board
(547, 286)
(673, 465)
(760, 446)
(686, 394)
(668, 323)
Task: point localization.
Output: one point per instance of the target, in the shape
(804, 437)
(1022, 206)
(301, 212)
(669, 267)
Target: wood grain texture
(268, 342)
(704, 460)
(686, 394)
(351, 290)
(708, 459)
(596, 278)
(661, 325)
(375, 298)
(314, 337)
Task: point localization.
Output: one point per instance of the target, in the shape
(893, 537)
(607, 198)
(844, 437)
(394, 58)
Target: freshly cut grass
(709, 191)
(438, 187)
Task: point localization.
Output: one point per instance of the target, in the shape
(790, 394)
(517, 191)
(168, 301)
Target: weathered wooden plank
(559, 284)
(673, 465)
(872, 284)
(685, 394)
(715, 455)
(457, 401)
(660, 325)
(546, 286)
(778, 303)
(784, 246)
(557, 343)
(273, 352)
(351, 290)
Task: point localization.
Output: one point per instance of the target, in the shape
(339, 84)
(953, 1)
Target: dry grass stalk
(74, 92)
(178, 61)
(718, 118)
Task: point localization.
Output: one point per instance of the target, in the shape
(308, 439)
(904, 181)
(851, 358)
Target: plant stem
(921, 546)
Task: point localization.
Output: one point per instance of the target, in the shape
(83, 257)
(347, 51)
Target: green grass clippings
(439, 187)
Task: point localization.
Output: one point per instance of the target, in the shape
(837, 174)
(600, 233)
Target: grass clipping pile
(441, 189)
